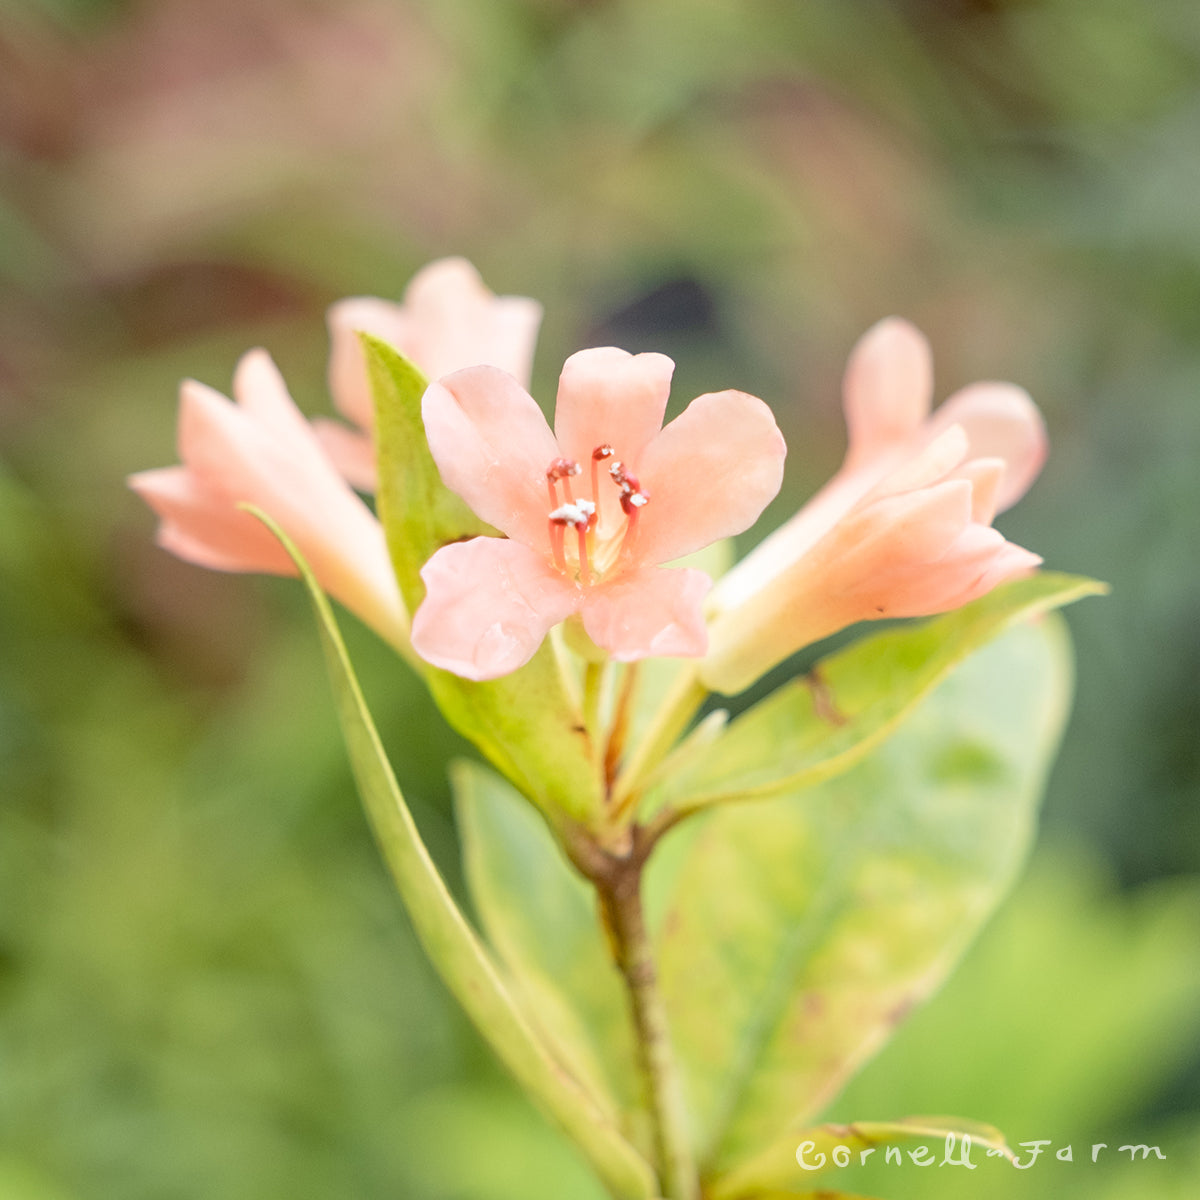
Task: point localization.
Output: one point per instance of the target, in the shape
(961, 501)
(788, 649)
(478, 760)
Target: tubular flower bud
(902, 530)
(262, 451)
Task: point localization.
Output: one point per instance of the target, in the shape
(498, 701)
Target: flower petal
(649, 611)
(353, 453)
(709, 474)
(348, 382)
(909, 529)
(457, 322)
(1001, 421)
(202, 527)
(233, 457)
(607, 396)
(928, 465)
(887, 389)
(977, 560)
(262, 395)
(492, 446)
(986, 475)
(489, 603)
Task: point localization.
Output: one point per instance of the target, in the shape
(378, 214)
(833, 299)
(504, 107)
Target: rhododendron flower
(902, 530)
(262, 451)
(448, 320)
(590, 510)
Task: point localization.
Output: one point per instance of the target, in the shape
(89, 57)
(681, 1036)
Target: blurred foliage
(206, 988)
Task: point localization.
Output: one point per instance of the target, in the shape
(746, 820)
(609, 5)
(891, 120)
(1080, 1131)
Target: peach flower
(263, 452)
(589, 510)
(902, 530)
(448, 320)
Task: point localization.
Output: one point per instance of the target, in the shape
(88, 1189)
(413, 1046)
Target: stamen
(578, 513)
(585, 575)
(556, 544)
(561, 469)
(632, 502)
(598, 455)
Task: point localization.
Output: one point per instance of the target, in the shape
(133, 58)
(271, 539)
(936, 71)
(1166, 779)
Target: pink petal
(607, 396)
(489, 603)
(348, 382)
(234, 458)
(351, 452)
(1001, 421)
(977, 561)
(914, 527)
(985, 475)
(927, 466)
(649, 612)
(709, 474)
(202, 527)
(492, 446)
(457, 322)
(887, 388)
(262, 394)
(515, 324)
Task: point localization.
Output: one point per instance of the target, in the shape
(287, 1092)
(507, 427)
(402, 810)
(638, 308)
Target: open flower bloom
(448, 320)
(262, 451)
(589, 510)
(902, 530)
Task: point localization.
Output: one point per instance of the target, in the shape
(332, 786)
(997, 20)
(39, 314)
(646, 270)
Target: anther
(561, 469)
(632, 500)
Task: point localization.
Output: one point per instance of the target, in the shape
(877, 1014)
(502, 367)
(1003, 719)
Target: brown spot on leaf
(823, 702)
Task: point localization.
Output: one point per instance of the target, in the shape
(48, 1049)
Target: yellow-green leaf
(540, 917)
(822, 724)
(778, 1167)
(801, 930)
(451, 943)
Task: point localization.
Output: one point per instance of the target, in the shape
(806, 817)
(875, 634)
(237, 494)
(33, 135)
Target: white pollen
(578, 513)
(638, 499)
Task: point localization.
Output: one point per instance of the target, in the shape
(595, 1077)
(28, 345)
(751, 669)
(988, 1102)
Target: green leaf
(820, 1143)
(528, 724)
(540, 917)
(800, 931)
(449, 940)
(823, 723)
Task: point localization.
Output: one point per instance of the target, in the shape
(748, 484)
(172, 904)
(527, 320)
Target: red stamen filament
(600, 453)
(585, 575)
(556, 544)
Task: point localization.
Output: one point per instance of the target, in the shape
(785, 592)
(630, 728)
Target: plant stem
(621, 897)
(677, 709)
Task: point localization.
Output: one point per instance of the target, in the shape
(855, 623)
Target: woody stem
(621, 902)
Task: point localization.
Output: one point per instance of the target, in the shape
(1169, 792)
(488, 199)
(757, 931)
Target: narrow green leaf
(539, 915)
(800, 931)
(823, 723)
(820, 1142)
(449, 940)
(527, 724)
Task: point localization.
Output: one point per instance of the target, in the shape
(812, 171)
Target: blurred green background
(207, 987)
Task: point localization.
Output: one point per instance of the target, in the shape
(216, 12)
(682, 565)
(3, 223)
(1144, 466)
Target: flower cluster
(591, 510)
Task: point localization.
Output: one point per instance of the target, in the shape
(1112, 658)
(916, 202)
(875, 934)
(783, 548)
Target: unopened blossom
(262, 451)
(902, 530)
(448, 320)
(589, 510)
